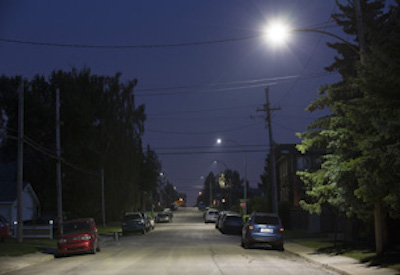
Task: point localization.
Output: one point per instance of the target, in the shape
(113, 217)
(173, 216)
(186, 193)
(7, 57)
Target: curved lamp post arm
(354, 48)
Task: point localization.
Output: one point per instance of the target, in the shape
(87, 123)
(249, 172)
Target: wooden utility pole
(20, 164)
(103, 204)
(58, 164)
(274, 186)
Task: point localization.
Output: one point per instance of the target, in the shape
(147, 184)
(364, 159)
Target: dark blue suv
(263, 228)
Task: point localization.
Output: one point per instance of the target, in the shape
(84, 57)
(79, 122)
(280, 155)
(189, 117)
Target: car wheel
(93, 250)
(98, 249)
(279, 247)
(246, 245)
(144, 231)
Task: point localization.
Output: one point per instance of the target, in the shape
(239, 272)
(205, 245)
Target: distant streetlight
(219, 141)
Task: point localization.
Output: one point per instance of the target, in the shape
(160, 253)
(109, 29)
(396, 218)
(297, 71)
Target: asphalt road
(186, 246)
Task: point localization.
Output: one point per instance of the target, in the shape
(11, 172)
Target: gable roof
(8, 182)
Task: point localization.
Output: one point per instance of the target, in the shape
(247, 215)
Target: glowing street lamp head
(277, 33)
(219, 141)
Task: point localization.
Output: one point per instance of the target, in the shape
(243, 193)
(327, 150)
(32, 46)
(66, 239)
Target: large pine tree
(360, 172)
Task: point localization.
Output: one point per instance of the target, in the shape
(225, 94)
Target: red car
(4, 228)
(78, 236)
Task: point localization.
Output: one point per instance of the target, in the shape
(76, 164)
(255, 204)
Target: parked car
(77, 236)
(151, 221)
(201, 206)
(231, 224)
(169, 212)
(134, 222)
(5, 231)
(211, 215)
(263, 228)
(162, 217)
(221, 215)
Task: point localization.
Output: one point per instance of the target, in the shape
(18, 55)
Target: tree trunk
(378, 228)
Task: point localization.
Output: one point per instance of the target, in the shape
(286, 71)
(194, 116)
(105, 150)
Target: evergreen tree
(361, 135)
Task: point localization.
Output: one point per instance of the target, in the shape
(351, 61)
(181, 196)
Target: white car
(211, 215)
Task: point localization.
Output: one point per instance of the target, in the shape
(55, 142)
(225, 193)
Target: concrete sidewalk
(340, 264)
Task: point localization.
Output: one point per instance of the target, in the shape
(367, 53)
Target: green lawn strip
(110, 228)
(10, 247)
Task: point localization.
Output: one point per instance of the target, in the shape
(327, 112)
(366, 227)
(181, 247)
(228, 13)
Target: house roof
(8, 182)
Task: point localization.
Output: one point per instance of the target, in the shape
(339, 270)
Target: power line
(188, 90)
(150, 46)
(324, 26)
(251, 81)
(35, 145)
(122, 47)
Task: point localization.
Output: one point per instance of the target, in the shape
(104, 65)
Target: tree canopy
(101, 129)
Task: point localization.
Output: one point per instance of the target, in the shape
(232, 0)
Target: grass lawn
(10, 247)
(110, 228)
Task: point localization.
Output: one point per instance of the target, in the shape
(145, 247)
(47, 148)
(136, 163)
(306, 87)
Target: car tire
(93, 251)
(98, 249)
(246, 245)
(279, 247)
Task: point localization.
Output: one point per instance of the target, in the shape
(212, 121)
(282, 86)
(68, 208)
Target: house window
(303, 163)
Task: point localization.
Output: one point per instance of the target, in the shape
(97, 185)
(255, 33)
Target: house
(8, 195)
(291, 189)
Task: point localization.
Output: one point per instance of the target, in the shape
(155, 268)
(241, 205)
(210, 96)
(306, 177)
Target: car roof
(265, 214)
(233, 214)
(133, 213)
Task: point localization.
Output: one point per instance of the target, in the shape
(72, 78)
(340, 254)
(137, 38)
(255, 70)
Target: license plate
(266, 230)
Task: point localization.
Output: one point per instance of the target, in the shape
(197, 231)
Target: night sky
(193, 94)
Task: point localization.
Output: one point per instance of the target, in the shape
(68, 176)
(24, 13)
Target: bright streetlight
(278, 33)
(219, 141)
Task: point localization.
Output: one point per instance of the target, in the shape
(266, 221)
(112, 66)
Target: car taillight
(250, 227)
(281, 229)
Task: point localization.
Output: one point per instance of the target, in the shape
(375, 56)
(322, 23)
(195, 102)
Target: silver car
(263, 228)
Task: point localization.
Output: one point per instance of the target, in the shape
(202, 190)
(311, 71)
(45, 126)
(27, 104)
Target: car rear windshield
(76, 227)
(234, 218)
(132, 217)
(213, 213)
(266, 220)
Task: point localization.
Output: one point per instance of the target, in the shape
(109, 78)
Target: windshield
(272, 220)
(234, 218)
(132, 217)
(76, 227)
